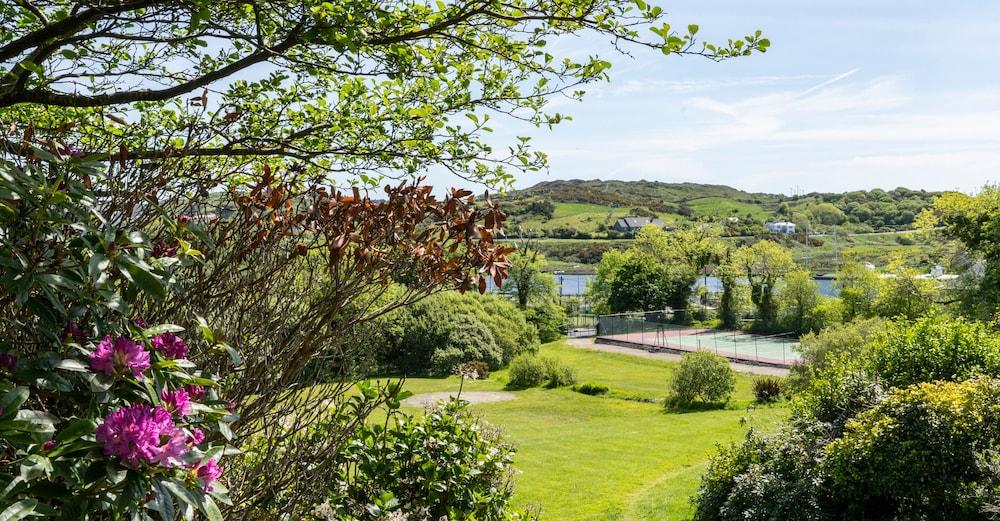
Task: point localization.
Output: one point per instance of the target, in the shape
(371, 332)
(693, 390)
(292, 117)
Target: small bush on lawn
(704, 376)
(526, 371)
(558, 374)
(591, 389)
(531, 371)
(766, 390)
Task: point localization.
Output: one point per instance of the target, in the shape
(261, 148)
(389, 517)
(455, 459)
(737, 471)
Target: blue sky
(851, 95)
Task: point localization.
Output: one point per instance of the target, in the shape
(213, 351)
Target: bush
(531, 371)
(469, 341)
(444, 464)
(558, 374)
(526, 371)
(933, 348)
(591, 389)
(763, 479)
(703, 375)
(450, 328)
(548, 319)
(766, 390)
(917, 454)
(101, 415)
(848, 339)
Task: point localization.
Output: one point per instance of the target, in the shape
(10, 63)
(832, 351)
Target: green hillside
(588, 209)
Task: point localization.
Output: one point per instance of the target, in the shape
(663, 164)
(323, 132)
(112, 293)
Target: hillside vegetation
(588, 209)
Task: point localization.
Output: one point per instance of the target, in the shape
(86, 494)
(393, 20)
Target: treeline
(763, 289)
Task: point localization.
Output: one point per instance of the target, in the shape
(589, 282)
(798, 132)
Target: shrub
(591, 389)
(766, 390)
(916, 455)
(526, 371)
(849, 339)
(763, 479)
(548, 319)
(444, 464)
(703, 375)
(450, 328)
(558, 374)
(468, 341)
(101, 415)
(933, 348)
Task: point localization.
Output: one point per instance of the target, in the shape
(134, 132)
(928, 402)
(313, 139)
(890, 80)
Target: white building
(781, 227)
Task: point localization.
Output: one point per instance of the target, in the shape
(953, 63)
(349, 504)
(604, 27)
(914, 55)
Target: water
(575, 284)
(568, 284)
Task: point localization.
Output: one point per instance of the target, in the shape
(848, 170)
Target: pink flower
(176, 402)
(207, 472)
(170, 345)
(118, 356)
(140, 434)
(230, 406)
(196, 392)
(140, 323)
(196, 437)
(49, 445)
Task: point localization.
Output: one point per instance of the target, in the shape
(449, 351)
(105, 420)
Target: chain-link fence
(670, 330)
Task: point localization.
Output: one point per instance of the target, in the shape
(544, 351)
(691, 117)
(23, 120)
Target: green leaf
(12, 400)
(19, 510)
(162, 328)
(76, 429)
(71, 364)
(141, 275)
(162, 503)
(98, 263)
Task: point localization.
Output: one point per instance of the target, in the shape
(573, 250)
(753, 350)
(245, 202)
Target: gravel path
(588, 343)
(423, 400)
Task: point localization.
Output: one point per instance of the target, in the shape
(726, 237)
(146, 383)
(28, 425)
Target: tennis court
(657, 330)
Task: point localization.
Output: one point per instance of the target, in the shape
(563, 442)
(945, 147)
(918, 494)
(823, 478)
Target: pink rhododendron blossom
(196, 392)
(207, 472)
(170, 345)
(140, 434)
(177, 402)
(196, 437)
(118, 356)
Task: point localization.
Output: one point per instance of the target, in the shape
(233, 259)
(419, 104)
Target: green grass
(578, 216)
(600, 458)
(724, 207)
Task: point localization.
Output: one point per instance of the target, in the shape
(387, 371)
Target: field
(601, 458)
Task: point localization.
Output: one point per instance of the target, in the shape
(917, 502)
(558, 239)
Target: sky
(851, 95)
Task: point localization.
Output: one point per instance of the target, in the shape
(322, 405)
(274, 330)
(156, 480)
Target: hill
(588, 208)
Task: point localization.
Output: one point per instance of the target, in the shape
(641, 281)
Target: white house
(780, 227)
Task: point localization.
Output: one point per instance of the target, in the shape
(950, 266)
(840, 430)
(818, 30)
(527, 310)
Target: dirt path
(423, 400)
(588, 343)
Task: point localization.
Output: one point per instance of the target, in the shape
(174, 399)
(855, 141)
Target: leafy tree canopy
(361, 87)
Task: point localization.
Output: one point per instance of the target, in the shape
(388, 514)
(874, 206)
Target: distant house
(634, 224)
(780, 227)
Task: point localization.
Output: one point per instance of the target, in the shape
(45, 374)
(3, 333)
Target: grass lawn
(597, 458)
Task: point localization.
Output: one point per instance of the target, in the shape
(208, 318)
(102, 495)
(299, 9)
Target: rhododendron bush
(102, 416)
